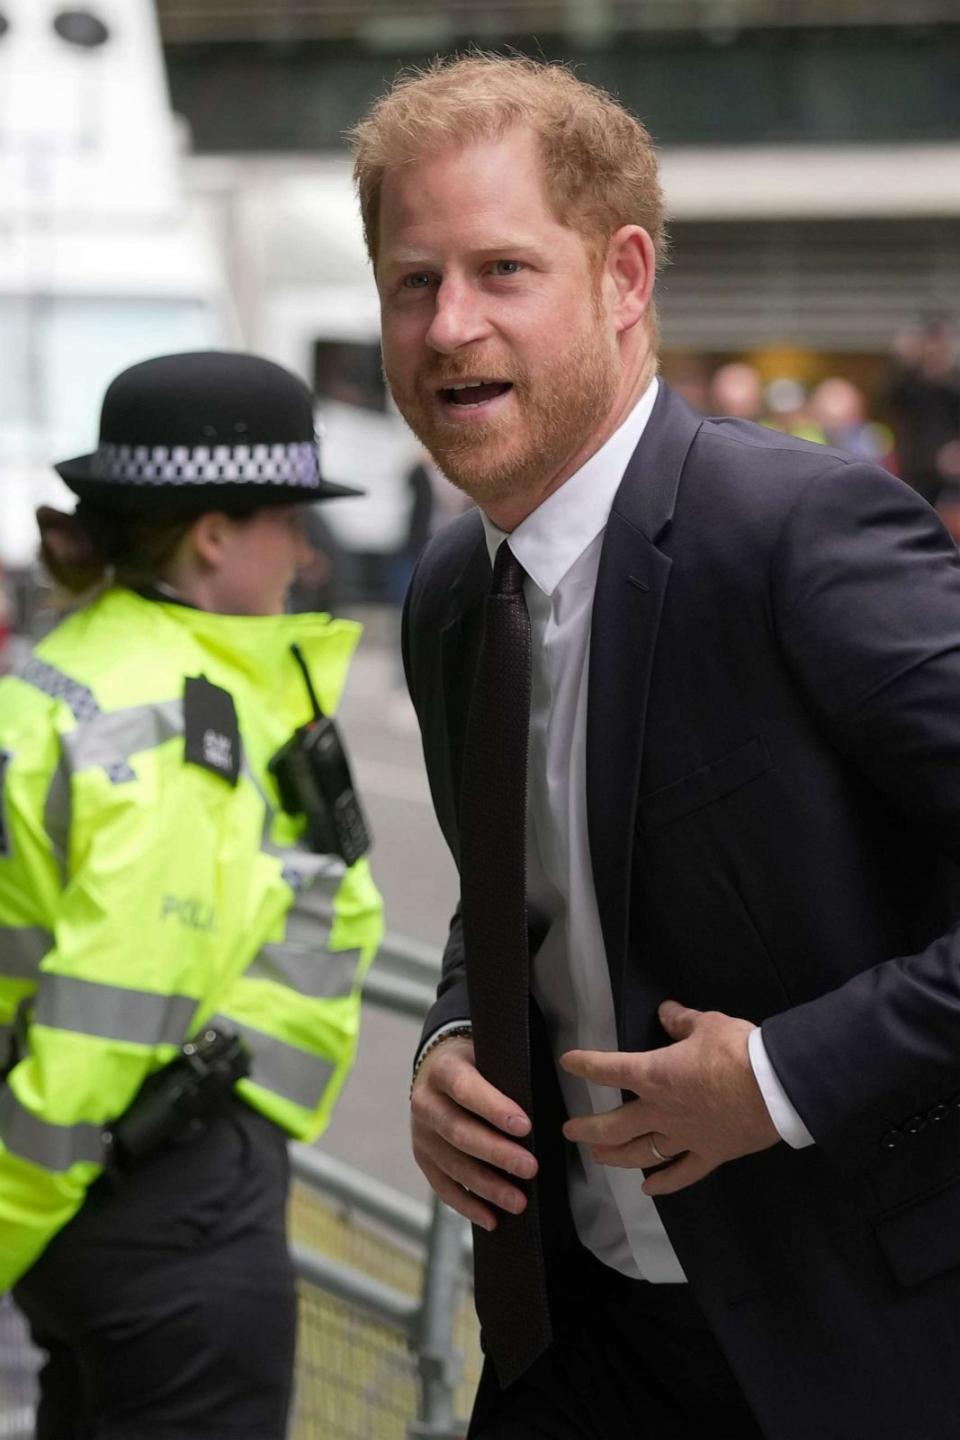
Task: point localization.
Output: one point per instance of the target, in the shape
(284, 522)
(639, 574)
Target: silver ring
(657, 1153)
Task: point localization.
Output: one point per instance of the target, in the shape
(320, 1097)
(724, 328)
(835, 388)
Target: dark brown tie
(511, 1292)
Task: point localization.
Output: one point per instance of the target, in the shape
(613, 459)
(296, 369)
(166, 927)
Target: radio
(314, 780)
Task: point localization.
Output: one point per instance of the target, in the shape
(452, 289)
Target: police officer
(155, 894)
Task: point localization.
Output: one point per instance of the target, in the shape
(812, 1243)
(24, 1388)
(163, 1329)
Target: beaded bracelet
(456, 1032)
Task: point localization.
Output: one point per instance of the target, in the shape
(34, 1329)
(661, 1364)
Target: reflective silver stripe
(112, 1012)
(107, 741)
(303, 959)
(52, 1147)
(311, 916)
(285, 1069)
(318, 973)
(22, 947)
(56, 816)
(53, 682)
(110, 740)
(302, 867)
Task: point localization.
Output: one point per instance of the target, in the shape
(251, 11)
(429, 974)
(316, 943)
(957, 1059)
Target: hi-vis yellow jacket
(143, 894)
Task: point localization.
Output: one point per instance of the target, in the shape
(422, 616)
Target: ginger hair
(599, 162)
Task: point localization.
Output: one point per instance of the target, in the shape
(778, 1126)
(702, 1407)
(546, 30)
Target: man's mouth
(470, 394)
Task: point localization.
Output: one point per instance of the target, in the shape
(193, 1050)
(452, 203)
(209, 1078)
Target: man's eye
(507, 267)
(418, 281)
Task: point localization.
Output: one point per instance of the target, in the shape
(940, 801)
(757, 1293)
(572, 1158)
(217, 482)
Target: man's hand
(460, 1126)
(697, 1100)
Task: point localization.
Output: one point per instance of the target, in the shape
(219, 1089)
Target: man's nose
(458, 319)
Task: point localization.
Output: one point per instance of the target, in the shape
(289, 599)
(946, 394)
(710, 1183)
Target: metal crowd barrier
(388, 1347)
(18, 1363)
(394, 1281)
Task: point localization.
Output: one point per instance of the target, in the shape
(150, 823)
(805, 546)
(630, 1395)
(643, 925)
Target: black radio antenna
(298, 656)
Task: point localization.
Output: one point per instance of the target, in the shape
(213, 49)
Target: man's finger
(637, 1154)
(472, 1092)
(463, 1201)
(615, 1068)
(677, 1019)
(677, 1176)
(471, 1136)
(612, 1128)
(482, 1181)
(456, 1075)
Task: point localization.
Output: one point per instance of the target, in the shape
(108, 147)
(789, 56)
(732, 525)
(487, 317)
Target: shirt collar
(555, 535)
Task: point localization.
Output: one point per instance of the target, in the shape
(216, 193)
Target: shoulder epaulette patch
(211, 730)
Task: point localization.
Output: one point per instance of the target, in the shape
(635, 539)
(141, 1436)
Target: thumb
(677, 1020)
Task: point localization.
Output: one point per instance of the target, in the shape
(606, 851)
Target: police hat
(215, 429)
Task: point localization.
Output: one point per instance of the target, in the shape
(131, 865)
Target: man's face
(496, 340)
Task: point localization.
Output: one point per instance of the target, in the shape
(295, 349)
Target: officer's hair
(599, 162)
(93, 548)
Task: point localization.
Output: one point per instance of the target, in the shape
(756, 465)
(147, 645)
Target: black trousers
(630, 1361)
(167, 1306)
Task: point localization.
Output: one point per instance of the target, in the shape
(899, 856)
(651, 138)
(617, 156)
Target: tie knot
(508, 573)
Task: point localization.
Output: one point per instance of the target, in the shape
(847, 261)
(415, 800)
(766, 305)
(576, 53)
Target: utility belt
(195, 1085)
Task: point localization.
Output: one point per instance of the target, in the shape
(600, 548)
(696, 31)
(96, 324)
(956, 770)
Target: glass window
(84, 343)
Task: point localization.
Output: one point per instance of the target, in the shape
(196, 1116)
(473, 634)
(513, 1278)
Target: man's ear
(208, 537)
(628, 276)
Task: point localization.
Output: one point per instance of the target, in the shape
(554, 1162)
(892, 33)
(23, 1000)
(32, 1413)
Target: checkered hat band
(294, 464)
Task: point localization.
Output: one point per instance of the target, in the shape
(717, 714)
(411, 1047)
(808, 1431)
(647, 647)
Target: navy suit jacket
(773, 789)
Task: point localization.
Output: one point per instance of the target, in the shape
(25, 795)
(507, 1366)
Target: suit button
(915, 1124)
(891, 1140)
(938, 1113)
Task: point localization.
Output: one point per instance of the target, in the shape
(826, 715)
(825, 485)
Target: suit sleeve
(452, 1003)
(865, 588)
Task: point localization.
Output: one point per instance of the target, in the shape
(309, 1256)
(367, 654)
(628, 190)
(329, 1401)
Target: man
(743, 664)
(736, 389)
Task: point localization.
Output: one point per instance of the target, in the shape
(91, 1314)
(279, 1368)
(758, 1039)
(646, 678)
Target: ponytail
(93, 547)
(75, 555)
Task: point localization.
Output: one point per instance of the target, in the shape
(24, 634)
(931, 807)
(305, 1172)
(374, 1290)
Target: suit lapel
(459, 647)
(631, 587)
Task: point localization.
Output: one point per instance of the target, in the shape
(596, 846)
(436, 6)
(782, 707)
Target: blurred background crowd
(174, 175)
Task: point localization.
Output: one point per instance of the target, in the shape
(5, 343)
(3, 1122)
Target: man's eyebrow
(494, 249)
(406, 261)
(515, 246)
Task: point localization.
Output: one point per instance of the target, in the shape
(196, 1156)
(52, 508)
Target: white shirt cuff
(788, 1123)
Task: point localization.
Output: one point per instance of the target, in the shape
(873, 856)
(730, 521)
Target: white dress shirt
(558, 546)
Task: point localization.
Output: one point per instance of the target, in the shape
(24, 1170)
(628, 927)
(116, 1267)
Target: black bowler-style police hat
(213, 428)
